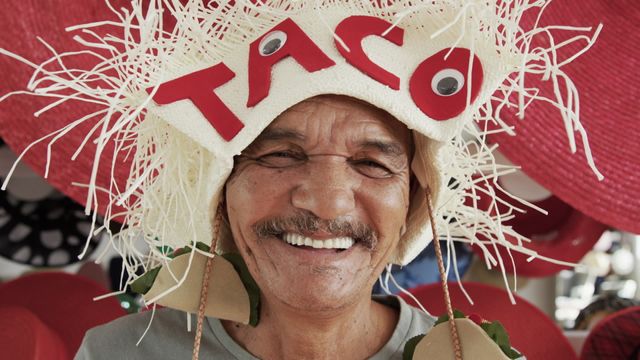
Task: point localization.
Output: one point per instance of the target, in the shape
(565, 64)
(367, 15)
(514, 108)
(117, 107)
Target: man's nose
(326, 188)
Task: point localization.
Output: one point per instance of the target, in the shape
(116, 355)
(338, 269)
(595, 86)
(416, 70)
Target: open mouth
(339, 243)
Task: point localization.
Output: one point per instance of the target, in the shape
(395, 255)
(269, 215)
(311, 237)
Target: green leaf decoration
(143, 284)
(457, 314)
(249, 284)
(202, 246)
(165, 250)
(499, 335)
(410, 347)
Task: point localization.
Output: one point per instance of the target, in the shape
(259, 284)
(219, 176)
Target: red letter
(198, 87)
(439, 87)
(355, 28)
(285, 39)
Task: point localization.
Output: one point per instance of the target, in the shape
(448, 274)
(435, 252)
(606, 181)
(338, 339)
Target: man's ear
(414, 186)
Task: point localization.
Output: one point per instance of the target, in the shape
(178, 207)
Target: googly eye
(272, 42)
(447, 82)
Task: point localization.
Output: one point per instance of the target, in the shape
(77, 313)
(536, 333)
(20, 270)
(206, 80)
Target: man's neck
(357, 331)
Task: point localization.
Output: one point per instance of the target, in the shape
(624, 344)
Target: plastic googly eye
(272, 42)
(447, 82)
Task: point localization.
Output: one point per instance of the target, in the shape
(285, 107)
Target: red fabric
(63, 303)
(22, 21)
(198, 87)
(608, 82)
(616, 337)
(440, 107)
(298, 45)
(531, 332)
(24, 337)
(355, 28)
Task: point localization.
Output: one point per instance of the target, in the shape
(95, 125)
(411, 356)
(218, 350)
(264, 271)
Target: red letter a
(285, 39)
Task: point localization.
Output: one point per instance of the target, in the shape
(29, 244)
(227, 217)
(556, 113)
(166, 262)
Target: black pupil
(447, 86)
(271, 46)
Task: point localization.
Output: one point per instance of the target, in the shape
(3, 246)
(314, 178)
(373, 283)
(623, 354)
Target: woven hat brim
(615, 337)
(608, 81)
(25, 19)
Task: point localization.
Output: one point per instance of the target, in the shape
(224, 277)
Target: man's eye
(281, 159)
(372, 168)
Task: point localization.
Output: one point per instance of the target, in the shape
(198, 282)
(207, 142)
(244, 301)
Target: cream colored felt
(227, 297)
(476, 344)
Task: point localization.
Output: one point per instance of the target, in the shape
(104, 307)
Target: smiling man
(272, 158)
(317, 205)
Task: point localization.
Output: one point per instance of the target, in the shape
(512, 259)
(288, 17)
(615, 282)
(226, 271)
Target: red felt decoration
(284, 40)
(198, 87)
(355, 28)
(434, 104)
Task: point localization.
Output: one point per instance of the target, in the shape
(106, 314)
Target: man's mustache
(305, 223)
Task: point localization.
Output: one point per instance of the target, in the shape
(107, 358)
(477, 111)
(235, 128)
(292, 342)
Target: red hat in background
(565, 233)
(615, 337)
(531, 332)
(45, 315)
(28, 19)
(608, 81)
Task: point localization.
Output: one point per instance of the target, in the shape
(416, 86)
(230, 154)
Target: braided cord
(443, 277)
(204, 292)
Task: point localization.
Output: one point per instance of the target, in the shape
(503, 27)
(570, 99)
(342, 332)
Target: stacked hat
(45, 315)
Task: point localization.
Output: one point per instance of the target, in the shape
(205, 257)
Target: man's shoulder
(416, 320)
(125, 337)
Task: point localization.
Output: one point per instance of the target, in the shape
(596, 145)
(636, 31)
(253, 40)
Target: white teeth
(335, 243)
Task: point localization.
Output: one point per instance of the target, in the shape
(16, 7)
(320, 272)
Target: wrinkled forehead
(339, 117)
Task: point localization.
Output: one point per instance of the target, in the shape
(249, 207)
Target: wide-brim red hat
(26, 19)
(531, 332)
(615, 337)
(608, 82)
(54, 310)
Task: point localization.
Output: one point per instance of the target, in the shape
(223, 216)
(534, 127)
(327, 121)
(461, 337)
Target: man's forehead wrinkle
(281, 133)
(388, 148)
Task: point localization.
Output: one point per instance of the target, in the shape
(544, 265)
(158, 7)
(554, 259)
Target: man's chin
(322, 299)
(313, 280)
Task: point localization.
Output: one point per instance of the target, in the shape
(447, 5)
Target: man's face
(317, 203)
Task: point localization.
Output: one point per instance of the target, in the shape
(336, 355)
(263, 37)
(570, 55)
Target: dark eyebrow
(280, 134)
(387, 148)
